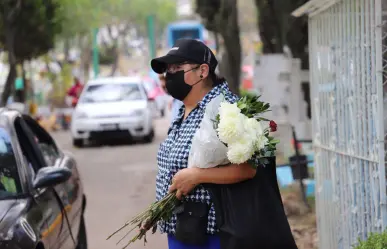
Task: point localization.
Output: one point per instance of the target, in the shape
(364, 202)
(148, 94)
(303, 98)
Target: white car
(112, 107)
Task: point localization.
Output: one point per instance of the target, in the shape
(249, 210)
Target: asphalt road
(119, 181)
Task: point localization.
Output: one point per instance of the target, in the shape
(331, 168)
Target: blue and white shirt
(176, 106)
(173, 156)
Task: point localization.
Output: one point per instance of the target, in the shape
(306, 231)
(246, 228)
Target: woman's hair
(161, 77)
(216, 79)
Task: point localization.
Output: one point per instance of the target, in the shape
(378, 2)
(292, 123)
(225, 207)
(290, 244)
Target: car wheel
(149, 138)
(82, 237)
(78, 143)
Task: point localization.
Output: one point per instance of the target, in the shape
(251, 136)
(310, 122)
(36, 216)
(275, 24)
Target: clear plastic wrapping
(207, 150)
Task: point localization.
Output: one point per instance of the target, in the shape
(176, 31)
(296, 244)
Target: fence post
(298, 164)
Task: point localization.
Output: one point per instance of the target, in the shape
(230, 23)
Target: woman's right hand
(184, 181)
(179, 194)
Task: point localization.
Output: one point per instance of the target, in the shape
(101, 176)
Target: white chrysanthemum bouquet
(229, 133)
(233, 133)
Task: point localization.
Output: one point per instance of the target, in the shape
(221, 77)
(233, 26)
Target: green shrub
(374, 241)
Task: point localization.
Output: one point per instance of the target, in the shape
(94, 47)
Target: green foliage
(244, 92)
(28, 28)
(374, 241)
(251, 107)
(83, 15)
(80, 16)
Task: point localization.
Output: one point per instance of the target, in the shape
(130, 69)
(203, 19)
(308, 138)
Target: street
(119, 181)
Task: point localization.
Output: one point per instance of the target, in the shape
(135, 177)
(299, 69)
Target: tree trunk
(232, 45)
(116, 60)
(86, 57)
(269, 26)
(31, 89)
(222, 17)
(66, 49)
(217, 43)
(8, 85)
(277, 28)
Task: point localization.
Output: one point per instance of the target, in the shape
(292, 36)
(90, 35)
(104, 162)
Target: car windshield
(111, 93)
(10, 185)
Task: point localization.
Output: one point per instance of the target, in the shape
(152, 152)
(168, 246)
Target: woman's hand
(184, 181)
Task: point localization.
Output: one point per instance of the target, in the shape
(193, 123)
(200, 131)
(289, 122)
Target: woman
(190, 77)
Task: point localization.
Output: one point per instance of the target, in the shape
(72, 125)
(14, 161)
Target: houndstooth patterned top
(173, 156)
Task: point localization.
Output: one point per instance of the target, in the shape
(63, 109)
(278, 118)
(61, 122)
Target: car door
(62, 194)
(46, 199)
(73, 198)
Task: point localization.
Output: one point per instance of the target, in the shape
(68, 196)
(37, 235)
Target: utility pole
(95, 53)
(151, 35)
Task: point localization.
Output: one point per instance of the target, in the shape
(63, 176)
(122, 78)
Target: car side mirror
(50, 176)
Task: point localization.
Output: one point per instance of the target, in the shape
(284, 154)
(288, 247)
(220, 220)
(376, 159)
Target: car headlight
(7, 235)
(19, 230)
(80, 115)
(27, 229)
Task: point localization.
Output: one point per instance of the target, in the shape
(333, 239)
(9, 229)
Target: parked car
(112, 107)
(155, 92)
(42, 202)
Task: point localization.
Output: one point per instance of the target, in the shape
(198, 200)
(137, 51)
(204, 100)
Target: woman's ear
(204, 71)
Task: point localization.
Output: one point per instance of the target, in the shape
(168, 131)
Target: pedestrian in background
(75, 91)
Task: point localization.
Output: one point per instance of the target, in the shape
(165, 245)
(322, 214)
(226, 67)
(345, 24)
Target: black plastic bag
(250, 214)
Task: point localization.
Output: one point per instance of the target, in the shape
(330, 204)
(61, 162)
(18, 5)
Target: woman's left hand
(184, 181)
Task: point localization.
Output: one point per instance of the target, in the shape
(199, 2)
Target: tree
(221, 17)
(277, 28)
(27, 30)
(130, 18)
(121, 19)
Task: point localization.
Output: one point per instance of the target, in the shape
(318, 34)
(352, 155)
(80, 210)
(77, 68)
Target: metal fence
(348, 46)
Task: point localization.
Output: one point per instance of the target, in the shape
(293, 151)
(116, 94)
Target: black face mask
(176, 85)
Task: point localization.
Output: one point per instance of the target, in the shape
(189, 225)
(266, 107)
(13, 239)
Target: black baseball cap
(190, 50)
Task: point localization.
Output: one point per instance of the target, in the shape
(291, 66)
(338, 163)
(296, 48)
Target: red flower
(273, 126)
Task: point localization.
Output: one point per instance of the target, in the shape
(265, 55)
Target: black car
(42, 202)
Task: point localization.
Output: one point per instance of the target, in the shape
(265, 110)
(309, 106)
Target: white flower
(228, 110)
(230, 128)
(253, 127)
(241, 151)
(261, 142)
